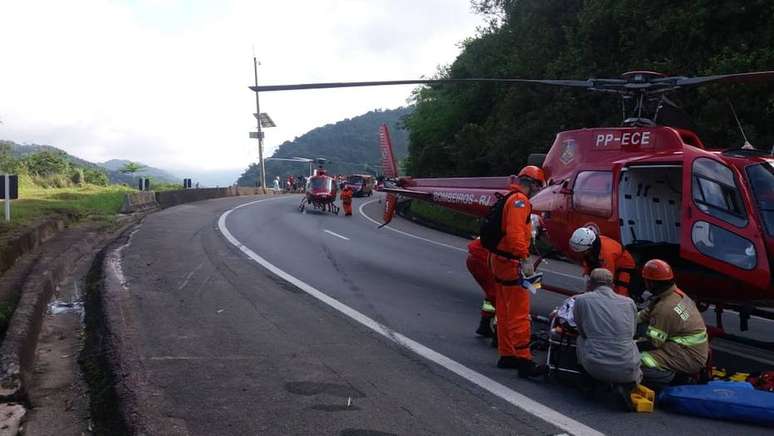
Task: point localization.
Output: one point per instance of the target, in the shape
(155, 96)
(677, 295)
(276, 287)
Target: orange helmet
(533, 173)
(657, 270)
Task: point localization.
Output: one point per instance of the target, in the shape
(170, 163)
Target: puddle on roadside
(57, 307)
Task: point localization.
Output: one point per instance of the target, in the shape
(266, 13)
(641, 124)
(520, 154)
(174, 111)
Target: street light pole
(260, 132)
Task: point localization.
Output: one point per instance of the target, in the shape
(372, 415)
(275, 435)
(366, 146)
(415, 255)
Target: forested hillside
(489, 129)
(351, 146)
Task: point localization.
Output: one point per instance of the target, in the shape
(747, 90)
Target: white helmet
(582, 239)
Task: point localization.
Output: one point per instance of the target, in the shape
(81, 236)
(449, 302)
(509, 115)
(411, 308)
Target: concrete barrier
(139, 201)
(246, 190)
(173, 198)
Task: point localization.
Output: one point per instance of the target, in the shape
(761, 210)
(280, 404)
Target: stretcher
(561, 357)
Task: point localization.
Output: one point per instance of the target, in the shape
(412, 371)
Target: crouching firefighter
(477, 263)
(506, 232)
(599, 251)
(676, 331)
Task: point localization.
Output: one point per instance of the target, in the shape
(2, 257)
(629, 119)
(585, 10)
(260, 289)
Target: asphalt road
(231, 348)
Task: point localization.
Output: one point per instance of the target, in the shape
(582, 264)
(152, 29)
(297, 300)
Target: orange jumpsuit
(346, 200)
(617, 260)
(479, 269)
(512, 300)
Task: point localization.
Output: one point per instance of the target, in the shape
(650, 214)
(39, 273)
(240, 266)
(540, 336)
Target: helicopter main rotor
(633, 83)
(639, 87)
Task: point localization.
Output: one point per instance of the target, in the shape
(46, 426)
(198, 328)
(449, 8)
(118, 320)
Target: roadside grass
(453, 221)
(78, 202)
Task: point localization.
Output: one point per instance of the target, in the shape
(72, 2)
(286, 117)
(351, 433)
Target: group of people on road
(664, 342)
(291, 184)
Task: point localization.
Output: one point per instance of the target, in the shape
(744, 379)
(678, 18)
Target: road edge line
(521, 401)
(410, 235)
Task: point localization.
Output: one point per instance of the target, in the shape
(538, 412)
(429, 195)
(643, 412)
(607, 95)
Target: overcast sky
(166, 82)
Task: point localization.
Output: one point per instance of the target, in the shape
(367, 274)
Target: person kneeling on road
(607, 324)
(676, 333)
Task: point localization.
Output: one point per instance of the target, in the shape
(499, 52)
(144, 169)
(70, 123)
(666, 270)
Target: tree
(6, 159)
(132, 167)
(490, 129)
(47, 163)
(95, 177)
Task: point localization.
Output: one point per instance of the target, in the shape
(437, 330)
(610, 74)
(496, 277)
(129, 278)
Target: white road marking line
(360, 209)
(336, 234)
(518, 400)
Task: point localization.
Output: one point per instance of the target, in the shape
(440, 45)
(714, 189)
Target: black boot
(529, 368)
(483, 327)
(509, 362)
(624, 391)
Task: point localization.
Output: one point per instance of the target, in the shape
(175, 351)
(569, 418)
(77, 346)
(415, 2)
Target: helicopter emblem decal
(568, 151)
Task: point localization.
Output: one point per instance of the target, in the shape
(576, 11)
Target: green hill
(351, 146)
(110, 168)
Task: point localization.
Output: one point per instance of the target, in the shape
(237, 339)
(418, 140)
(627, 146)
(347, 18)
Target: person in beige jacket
(676, 333)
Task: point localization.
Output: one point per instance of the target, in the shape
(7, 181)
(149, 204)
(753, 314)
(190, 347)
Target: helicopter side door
(718, 229)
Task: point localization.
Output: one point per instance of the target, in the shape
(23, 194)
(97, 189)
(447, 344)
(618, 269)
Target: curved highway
(414, 282)
(245, 316)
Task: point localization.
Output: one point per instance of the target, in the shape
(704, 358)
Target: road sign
(9, 190)
(13, 187)
(256, 135)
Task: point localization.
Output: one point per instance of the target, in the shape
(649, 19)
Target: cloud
(165, 81)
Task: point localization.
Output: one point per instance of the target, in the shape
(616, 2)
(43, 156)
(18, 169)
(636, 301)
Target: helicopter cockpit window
(320, 183)
(761, 178)
(592, 193)
(715, 192)
(719, 243)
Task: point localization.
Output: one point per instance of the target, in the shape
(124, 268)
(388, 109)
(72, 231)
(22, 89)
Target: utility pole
(260, 132)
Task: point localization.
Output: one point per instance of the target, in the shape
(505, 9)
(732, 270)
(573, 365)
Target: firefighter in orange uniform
(346, 200)
(599, 251)
(479, 269)
(507, 263)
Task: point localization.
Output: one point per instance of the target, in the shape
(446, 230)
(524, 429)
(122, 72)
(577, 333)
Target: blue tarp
(721, 400)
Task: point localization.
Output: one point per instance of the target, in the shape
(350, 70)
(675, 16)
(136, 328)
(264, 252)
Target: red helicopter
(657, 189)
(320, 190)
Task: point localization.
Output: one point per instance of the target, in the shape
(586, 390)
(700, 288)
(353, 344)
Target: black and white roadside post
(262, 120)
(10, 191)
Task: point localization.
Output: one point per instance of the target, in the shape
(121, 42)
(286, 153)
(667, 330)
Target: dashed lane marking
(360, 209)
(518, 400)
(336, 234)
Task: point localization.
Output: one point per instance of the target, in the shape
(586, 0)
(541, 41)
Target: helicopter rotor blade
(739, 77)
(302, 86)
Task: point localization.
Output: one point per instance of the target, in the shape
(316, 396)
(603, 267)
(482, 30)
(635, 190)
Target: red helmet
(657, 270)
(533, 173)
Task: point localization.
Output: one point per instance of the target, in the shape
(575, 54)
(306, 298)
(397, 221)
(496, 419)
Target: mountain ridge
(350, 146)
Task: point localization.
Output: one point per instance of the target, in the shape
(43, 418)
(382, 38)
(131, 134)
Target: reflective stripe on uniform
(691, 340)
(487, 306)
(657, 334)
(648, 360)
